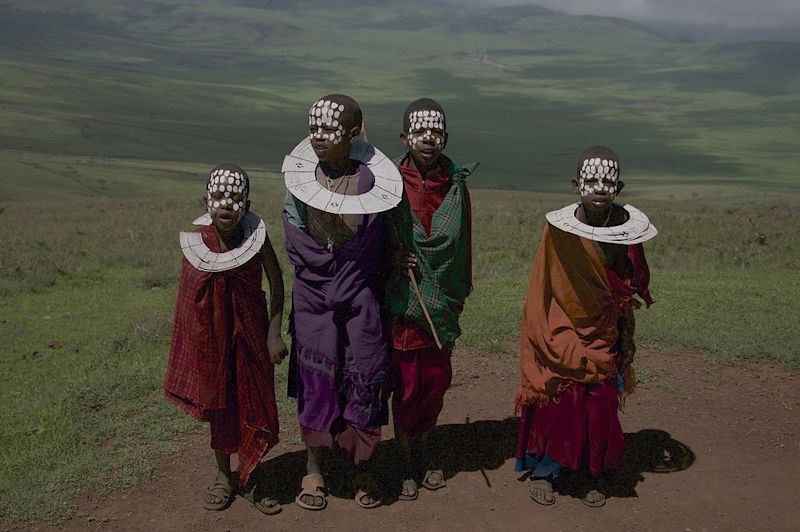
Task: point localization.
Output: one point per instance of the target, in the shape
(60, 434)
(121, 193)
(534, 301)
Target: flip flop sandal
(546, 487)
(366, 491)
(594, 504)
(312, 486)
(265, 505)
(433, 472)
(410, 490)
(224, 492)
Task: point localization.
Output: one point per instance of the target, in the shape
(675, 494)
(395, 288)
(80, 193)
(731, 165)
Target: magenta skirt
(581, 429)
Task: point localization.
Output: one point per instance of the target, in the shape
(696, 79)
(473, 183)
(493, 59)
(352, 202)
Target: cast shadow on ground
(646, 451)
(470, 446)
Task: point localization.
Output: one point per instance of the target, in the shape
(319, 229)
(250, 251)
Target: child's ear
(575, 185)
(204, 202)
(620, 185)
(355, 132)
(247, 206)
(404, 139)
(446, 136)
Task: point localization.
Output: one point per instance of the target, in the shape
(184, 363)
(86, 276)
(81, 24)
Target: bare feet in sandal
(541, 491)
(594, 499)
(434, 478)
(312, 493)
(410, 490)
(261, 501)
(220, 494)
(368, 494)
(595, 496)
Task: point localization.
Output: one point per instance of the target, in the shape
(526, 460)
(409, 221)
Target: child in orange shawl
(576, 337)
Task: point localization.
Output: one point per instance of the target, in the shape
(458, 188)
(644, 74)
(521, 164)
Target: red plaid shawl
(219, 359)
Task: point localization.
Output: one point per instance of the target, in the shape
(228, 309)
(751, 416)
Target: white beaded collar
(299, 172)
(636, 230)
(205, 260)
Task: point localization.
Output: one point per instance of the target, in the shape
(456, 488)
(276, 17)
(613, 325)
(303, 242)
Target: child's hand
(621, 398)
(404, 259)
(276, 347)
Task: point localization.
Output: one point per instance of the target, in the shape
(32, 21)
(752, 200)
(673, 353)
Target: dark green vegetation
(525, 88)
(113, 111)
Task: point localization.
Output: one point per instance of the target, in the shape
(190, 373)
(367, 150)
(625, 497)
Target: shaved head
(351, 116)
(599, 152)
(423, 104)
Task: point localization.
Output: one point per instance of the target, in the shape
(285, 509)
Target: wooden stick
(424, 308)
(409, 271)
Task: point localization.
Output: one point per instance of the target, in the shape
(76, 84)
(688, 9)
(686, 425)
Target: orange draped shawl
(570, 323)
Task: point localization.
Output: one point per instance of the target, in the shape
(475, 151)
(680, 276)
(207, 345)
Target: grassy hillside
(525, 88)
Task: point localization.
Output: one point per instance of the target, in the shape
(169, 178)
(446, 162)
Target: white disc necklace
(636, 230)
(299, 173)
(197, 253)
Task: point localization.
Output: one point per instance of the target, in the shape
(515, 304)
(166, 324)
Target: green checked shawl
(443, 268)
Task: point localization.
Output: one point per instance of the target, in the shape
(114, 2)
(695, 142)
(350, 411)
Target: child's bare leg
(368, 493)
(434, 476)
(220, 493)
(314, 463)
(410, 489)
(223, 462)
(312, 496)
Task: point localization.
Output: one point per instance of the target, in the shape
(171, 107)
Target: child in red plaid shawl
(225, 340)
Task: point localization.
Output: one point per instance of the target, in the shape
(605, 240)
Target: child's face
(598, 183)
(226, 198)
(424, 136)
(330, 130)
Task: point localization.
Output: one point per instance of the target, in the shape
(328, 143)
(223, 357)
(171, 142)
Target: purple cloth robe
(339, 366)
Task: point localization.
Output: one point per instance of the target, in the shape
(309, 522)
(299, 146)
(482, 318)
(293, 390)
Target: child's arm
(275, 344)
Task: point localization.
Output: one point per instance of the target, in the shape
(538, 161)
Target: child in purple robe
(339, 366)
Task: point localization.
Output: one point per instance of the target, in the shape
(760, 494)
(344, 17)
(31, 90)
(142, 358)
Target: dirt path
(709, 448)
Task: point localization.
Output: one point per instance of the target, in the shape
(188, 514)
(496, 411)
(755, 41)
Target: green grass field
(113, 111)
(87, 298)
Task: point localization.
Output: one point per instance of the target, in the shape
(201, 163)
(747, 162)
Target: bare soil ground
(709, 448)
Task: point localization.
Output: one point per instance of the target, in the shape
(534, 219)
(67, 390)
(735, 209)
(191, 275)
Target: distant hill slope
(525, 88)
